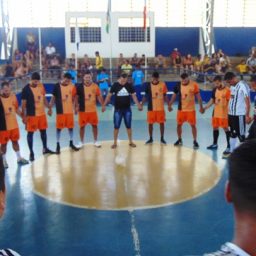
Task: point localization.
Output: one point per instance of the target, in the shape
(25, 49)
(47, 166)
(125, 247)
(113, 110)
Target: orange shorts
(186, 116)
(12, 135)
(219, 122)
(85, 118)
(156, 117)
(36, 123)
(64, 121)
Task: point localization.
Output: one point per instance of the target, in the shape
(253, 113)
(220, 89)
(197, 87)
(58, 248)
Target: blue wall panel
(235, 41)
(54, 35)
(185, 39)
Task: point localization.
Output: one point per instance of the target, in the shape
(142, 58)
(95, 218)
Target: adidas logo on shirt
(123, 92)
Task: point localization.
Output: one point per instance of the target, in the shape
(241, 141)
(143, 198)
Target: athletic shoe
(195, 145)
(31, 157)
(163, 141)
(226, 153)
(58, 148)
(22, 161)
(178, 143)
(213, 147)
(97, 144)
(150, 141)
(79, 145)
(48, 151)
(5, 164)
(72, 146)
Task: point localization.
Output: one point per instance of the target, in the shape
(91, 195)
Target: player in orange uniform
(186, 91)
(63, 96)
(220, 98)
(33, 112)
(156, 95)
(9, 129)
(87, 95)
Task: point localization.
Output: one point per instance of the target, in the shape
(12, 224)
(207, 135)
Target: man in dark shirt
(123, 91)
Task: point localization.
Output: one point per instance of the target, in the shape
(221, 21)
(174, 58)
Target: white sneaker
(80, 144)
(97, 144)
(5, 164)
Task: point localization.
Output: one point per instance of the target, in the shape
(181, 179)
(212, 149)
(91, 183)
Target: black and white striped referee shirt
(239, 92)
(8, 252)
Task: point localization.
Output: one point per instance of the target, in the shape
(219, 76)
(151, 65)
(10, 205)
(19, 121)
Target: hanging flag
(145, 15)
(108, 16)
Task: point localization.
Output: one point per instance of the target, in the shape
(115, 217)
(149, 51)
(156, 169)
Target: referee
(238, 109)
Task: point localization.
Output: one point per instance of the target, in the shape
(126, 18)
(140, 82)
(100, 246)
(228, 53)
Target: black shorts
(252, 131)
(237, 127)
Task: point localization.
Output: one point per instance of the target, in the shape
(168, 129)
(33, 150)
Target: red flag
(145, 15)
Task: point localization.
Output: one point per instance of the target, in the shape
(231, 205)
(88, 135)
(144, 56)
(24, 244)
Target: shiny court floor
(148, 200)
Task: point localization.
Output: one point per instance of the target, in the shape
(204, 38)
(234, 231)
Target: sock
(215, 136)
(18, 155)
(70, 131)
(232, 144)
(30, 142)
(44, 138)
(228, 138)
(58, 131)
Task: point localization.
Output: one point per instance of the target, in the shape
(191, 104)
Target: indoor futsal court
(149, 200)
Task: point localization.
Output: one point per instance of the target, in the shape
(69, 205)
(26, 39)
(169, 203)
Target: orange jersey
(221, 99)
(10, 106)
(156, 94)
(187, 95)
(90, 97)
(64, 96)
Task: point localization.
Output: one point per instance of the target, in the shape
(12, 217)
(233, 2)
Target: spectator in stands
(142, 61)
(98, 61)
(188, 63)
(251, 62)
(103, 81)
(50, 52)
(159, 61)
(72, 71)
(224, 63)
(242, 68)
(8, 70)
(174, 55)
(84, 65)
(3, 204)
(71, 61)
(31, 43)
(55, 67)
(134, 60)
(138, 77)
(17, 58)
(198, 63)
(120, 62)
(240, 192)
(28, 59)
(126, 67)
(21, 70)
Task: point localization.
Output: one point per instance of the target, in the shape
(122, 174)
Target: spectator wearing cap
(122, 91)
(63, 96)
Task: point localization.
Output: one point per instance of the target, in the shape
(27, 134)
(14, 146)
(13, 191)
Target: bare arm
(106, 101)
(248, 107)
(209, 104)
(135, 99)
(199, 99)
(173, 98)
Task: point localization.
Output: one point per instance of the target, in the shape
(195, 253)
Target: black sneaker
(226, 153)
(72, 146)
(48, 151)
(163, 141)
(178, 143)
(150, 141)
(213, 147)
(31, 157)
(58, 148)
(195, 145)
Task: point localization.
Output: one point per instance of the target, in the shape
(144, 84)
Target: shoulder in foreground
(8, 252)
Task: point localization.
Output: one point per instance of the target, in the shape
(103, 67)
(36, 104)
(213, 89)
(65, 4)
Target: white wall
(110, 44)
